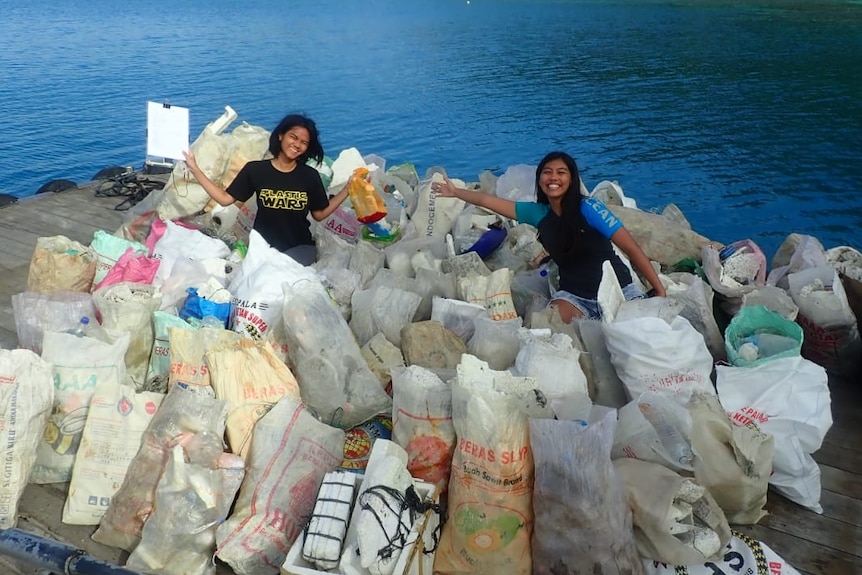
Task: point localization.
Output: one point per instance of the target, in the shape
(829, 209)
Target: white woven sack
(789, 399)
(26, 397)
(651, 355)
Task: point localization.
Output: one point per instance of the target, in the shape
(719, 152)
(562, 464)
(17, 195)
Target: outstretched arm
(624, 240)
(215, 191)
(447, 189)
(334, 202)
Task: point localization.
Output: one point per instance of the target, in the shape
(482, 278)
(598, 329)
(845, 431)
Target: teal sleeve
(530, 212)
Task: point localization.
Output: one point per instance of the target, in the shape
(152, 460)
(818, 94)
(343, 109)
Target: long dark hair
(315, 149)
(573, 220)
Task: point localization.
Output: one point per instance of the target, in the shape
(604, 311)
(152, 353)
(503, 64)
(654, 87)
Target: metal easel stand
(52, 556)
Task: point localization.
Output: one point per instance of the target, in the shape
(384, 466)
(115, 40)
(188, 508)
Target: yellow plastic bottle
(367, 203)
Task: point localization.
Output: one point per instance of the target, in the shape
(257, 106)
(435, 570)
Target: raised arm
(334, 202)
(447, 189)
(215, 191)
(624, 240)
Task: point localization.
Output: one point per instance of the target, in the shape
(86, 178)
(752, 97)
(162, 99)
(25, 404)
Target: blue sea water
(746, 115)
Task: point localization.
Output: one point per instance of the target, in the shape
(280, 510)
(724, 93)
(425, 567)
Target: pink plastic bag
(131, 268)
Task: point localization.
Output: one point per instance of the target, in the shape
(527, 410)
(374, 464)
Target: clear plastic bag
(382, 309)
(182, 412)
(35, 314)
(335, 381)
(583, 522)
(495, 341)
(192, 499)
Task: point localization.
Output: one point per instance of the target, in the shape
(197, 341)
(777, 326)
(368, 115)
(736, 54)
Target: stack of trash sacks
(217, 387)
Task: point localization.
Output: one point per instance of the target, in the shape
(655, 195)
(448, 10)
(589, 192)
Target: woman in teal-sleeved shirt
(577, 232)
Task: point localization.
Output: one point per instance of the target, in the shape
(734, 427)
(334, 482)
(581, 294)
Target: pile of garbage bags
(216, 383)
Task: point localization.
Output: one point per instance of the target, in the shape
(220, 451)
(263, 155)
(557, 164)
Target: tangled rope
(129, 185)
(397, 502)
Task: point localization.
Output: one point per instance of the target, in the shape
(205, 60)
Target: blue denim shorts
(590, 307)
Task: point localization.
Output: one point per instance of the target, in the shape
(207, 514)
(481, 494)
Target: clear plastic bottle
(671, 438)
(87, 327)
(80, 330)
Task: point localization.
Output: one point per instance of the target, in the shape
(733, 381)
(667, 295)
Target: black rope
(398, 502)
(128, 185)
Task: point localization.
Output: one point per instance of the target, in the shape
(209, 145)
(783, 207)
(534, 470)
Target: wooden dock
(827, 544)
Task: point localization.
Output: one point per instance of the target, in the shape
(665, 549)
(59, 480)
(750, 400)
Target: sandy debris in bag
(124, 293)
(740, 269)
(687, 524)
(815, 286)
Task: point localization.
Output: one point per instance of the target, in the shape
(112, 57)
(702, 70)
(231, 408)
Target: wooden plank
(16, 280)
(844, 437)
(787, 517)
(841, 481)
(83, 209)
(846, 431)
(10, 566)
(841, 507)
(35, 224)
(805, 555)
(17, 248)
(71, 210)
(840, 457)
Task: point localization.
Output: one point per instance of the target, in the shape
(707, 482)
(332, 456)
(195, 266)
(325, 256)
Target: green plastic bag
(756, 335)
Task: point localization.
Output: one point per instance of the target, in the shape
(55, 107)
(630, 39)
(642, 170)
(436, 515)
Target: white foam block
(327, 527)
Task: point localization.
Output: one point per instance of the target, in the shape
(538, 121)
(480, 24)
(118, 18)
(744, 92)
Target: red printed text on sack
(746, 416)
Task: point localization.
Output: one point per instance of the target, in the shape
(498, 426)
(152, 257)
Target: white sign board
(167, 130)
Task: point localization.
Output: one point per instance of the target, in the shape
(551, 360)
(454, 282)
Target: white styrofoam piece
(327, 527)
(344, 165)
(379, 524)
(372, 529)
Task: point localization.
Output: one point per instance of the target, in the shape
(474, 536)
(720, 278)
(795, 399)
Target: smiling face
(294, 142)
(555, 179)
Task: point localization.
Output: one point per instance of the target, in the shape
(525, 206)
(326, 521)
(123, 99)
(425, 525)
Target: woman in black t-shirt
(287, 188)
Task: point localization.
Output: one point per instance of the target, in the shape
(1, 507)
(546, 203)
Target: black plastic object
(110, 172)
(57, 186)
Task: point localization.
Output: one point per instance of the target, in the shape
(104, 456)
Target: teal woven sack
(757, 335)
